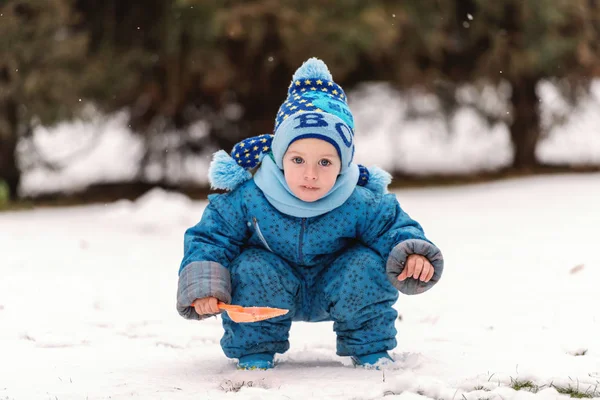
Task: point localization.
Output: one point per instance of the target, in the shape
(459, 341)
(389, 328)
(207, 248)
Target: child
(310, 232)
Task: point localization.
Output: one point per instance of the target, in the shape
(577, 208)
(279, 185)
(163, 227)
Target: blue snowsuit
(331, 267)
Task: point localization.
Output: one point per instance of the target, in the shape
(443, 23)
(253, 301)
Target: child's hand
(206, 305)
(417, 267)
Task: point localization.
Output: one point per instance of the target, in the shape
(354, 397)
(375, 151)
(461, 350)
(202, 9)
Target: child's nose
(310, 173)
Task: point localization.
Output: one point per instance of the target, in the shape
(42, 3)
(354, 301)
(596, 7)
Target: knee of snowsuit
(352, 290)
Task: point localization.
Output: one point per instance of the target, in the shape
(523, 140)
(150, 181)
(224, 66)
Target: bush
(4, 194)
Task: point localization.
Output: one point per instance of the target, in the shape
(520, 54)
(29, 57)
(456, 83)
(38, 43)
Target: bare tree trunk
(525, 127)
(9, 171)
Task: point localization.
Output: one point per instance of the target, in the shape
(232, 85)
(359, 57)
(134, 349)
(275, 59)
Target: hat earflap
(224, 173)
(227, 172)
(374, 179)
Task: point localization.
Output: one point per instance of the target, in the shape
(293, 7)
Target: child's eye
(324, 162)
(297, 160)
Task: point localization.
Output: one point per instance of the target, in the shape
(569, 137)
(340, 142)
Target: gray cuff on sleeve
(201, 279)
(397, 260)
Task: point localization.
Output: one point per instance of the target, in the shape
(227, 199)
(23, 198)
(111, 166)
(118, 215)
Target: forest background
(184, 78)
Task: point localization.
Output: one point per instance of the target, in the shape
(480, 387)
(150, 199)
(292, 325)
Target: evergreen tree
(229, 63)
(253, 48)
(48, 72)
(37, 51)
(516, 41)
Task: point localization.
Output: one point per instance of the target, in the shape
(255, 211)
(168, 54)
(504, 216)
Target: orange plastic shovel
(250, 314)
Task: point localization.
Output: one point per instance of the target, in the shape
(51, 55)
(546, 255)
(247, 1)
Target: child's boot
(261, 361)
(373, 360)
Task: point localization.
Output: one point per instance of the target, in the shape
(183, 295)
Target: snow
(95, 150)
(422, 146)
(577, 140)
(87, 304)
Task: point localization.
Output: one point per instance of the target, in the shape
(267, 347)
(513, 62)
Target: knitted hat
(315, 107)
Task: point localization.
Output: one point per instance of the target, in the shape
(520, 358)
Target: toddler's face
(311, 167)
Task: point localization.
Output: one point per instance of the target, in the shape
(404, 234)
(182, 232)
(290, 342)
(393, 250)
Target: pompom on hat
(315, 107)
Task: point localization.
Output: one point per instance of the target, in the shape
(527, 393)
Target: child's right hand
(206, 305)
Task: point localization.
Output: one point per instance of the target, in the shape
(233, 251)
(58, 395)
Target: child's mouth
(309, 187)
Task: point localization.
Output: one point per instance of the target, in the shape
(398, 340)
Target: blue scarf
(271, 180)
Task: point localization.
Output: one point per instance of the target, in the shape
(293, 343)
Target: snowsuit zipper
(301, 241)
(259, 233)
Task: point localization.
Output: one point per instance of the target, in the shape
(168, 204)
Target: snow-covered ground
(87, 305)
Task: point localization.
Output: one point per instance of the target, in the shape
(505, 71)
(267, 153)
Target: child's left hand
(417, 267)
